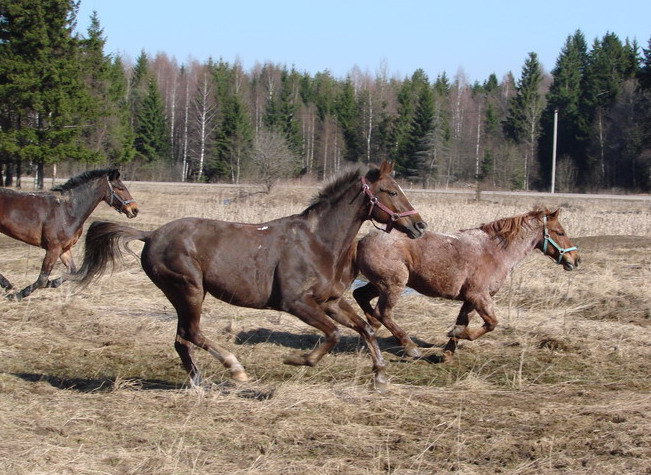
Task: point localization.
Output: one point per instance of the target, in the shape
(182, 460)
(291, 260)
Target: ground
(90, 381)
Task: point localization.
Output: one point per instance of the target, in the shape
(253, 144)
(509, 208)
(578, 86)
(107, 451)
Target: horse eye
(561, 233)
(391, 192)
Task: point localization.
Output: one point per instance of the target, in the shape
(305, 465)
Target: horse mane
(333, 190)
(507, 229)
(82, 178)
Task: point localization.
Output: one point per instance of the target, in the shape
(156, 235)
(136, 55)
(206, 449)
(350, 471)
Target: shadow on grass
(90, 385)
(347, 344)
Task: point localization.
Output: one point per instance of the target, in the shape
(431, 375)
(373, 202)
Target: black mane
(331, 192)
(82, 178)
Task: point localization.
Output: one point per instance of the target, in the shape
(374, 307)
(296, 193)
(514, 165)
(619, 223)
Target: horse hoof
(448, 357)
(413, 352)
(297, 360)
(380, 384)
(240, 376)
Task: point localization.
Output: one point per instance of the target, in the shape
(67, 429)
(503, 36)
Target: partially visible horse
(54, 220)
(300, 264)
(469, 265)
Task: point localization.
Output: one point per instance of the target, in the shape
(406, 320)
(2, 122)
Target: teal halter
(549, 240)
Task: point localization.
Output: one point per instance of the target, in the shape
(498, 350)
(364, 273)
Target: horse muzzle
(416, 228)
(571, 260)
(130, 210)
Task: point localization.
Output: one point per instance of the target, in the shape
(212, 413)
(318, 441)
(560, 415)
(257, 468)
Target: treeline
(63, 99)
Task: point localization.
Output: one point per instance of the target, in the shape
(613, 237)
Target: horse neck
(83, 199)
(338, 223)
(521, 245)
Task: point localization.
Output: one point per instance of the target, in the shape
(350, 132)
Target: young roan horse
(299, 264)
(54, 220)
(469, 265)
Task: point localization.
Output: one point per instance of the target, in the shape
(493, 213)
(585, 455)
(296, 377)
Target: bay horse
(54, 220)
(299, 264)
(469, 265)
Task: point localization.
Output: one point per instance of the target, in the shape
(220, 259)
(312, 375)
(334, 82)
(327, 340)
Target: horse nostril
(421, 225)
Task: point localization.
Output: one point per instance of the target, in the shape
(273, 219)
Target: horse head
(388, 203)
(118, 196)
(556, 244)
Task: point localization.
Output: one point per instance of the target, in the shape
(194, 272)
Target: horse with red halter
(469, 265)
(299, 264)
(54, 220)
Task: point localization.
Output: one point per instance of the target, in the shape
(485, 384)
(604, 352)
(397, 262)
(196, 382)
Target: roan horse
(469, 265)
(300, 264)
(54, 220)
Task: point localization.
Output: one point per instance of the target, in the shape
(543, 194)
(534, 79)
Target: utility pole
(554, 149)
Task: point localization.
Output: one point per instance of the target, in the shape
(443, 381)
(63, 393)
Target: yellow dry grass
(90, 381)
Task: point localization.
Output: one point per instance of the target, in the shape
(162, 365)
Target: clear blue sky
(476, 37)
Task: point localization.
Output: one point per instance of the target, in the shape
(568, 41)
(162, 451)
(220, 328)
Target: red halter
(375, 202)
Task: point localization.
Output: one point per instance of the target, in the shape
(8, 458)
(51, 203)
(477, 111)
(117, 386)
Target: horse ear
(386, 168)
(114, 174)
(554, 215)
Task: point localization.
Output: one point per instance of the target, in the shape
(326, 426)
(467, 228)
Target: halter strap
(394, 216)
(115, 196)
(548, 239)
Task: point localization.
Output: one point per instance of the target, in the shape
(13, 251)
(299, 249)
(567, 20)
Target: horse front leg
(484, 307)
(384, 313)
(342, 312)
(42, 281)
(311, 313)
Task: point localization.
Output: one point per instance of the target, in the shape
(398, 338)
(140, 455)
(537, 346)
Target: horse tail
(104, 244)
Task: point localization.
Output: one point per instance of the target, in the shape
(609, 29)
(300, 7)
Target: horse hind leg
(363, 296)
(46, 269)
(187, 300)
(68, 261)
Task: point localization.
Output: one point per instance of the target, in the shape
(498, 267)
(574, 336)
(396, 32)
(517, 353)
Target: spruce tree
(566, 96)
(151, 137)
(348, 116)
(108, 132)
(522, 124)
(40, 88)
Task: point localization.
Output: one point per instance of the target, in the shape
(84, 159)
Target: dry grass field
(90, 381)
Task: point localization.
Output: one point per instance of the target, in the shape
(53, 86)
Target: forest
(65, 101)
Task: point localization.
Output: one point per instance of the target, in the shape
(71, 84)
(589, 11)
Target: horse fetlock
(459, 331)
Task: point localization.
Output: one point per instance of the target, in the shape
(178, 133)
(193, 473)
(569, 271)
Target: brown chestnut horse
(300, 264)
(469, 265)
(54, 220)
